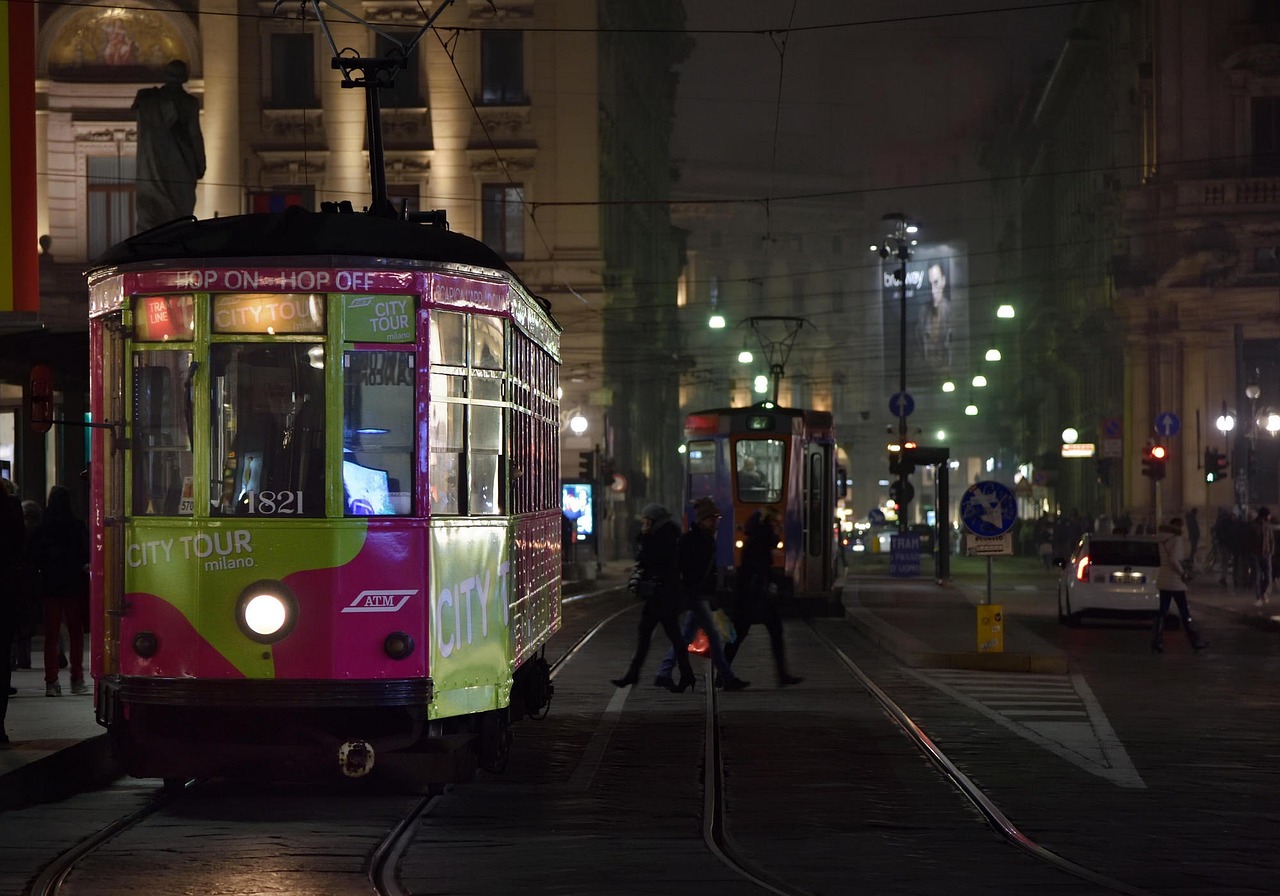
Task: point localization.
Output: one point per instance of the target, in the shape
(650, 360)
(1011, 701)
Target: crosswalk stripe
(1038, 708)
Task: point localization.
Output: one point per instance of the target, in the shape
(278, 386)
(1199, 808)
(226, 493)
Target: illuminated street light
(745, 357)
(979, 381)
(577, 424)
(1005, 311)
(948, 386)
(716, 322)
(993, 354)
(971, 410)
(762, 384)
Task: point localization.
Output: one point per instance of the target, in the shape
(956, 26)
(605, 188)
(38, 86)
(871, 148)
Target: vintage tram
(767, 456)
(325, 516)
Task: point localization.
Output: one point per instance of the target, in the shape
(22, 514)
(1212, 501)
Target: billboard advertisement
(937, 320)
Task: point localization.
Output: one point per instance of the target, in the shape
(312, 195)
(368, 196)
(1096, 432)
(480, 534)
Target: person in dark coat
(754, 590)
(657, 581)
(698, 573)
(63, 551)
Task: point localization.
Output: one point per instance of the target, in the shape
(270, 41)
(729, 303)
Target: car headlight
(266, 611)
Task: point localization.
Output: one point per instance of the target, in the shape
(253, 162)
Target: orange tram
(762, 456)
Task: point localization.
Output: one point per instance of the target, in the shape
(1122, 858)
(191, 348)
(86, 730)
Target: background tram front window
(267, 446)
(162, 462)
(377, 426)
(759, 465)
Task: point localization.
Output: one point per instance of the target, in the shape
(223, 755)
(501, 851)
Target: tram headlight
(266, 611)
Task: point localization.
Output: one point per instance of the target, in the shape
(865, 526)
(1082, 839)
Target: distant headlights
(266, 611)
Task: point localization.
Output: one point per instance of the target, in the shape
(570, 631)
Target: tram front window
(759, 465)
(162, 461)
(377, 441)
(267, 445)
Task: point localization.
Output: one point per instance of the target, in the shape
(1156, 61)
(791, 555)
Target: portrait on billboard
(934, 323)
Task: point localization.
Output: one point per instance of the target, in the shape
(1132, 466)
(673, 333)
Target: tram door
(109, 458)
(819, 511)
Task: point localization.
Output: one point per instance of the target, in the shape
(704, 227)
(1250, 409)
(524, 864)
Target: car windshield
(1124, 553)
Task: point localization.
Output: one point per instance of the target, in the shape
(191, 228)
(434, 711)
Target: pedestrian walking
(63, 551)
(1172, 585)
(656, 580)
(697, 549)
(12, 540)
(1262, 544)
(756, 592)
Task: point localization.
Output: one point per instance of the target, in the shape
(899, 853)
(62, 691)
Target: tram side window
(760, 465)
(466, 417)
(377, 427)
(702, 467)
(267, 415)
(162, 459)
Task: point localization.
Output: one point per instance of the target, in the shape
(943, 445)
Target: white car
(1110, 574)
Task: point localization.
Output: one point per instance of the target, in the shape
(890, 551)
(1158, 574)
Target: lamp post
(898, 243)
(1253, 392)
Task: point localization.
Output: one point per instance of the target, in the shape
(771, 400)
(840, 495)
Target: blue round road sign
(901, 404)
(988, 509)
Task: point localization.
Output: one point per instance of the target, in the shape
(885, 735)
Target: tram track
(381, 868)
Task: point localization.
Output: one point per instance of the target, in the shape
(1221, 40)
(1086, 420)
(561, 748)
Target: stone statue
(170, 149)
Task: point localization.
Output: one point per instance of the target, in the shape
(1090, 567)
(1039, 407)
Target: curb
(84, 765)
(917, 654)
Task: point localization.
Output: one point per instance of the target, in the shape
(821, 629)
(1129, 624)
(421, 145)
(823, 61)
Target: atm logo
(379, 601)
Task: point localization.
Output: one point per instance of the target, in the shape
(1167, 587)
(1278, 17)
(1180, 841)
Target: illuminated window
(162, 460)
(377, 433)
(760, 464)
(266, 406)
(466, 414)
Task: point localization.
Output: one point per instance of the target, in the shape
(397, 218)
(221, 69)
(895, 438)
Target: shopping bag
(701, 644)
(724, 626)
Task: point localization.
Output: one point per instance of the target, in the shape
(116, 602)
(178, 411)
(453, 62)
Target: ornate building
(1141, 187)
(517, 117)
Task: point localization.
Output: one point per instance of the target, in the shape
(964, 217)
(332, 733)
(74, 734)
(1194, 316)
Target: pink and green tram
(326, 533)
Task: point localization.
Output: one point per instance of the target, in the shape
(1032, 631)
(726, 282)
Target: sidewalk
(55, 747)
(927, 624)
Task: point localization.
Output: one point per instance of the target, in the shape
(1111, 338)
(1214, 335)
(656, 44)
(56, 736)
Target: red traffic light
(1153, 461)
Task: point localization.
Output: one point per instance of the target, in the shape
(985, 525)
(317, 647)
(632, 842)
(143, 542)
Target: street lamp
(1253, 392)
(898, 243)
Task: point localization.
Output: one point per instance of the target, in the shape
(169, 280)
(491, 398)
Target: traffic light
(587, 465)
(1215, 465)
(902, 459)
(1153, 461)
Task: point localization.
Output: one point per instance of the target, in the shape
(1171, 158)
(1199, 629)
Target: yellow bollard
(990, 628)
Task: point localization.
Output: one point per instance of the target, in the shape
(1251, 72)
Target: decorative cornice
(293, 125)
(512, 11)
(1256, 60)
(108, 135)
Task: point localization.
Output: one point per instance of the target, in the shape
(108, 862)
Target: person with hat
(1172, 584)
(656, 580)
(697, 550)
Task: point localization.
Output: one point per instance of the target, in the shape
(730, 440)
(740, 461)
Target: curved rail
(997, 819)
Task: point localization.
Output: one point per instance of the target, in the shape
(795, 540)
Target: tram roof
(715, 419)
(298, 232)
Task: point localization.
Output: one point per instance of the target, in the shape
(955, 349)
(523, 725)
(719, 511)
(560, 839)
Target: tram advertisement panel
(356, 587)
(471, 647)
